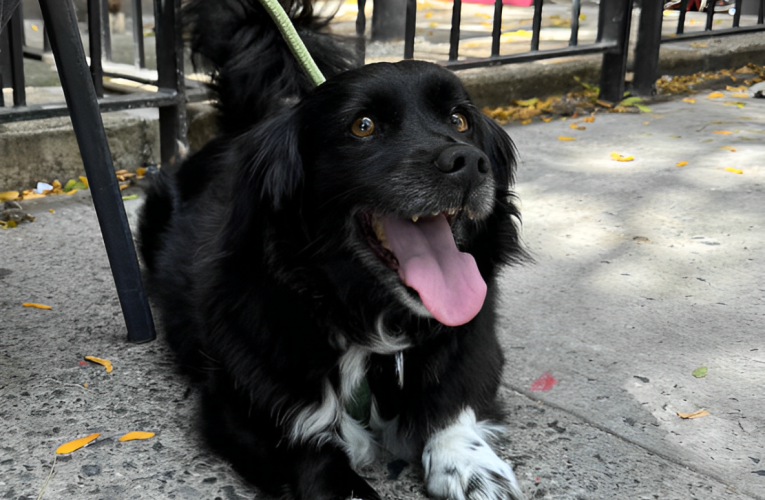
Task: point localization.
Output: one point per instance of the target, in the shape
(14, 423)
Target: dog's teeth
(435, 214)
(415, 218)
(470, 214)
(380, 233)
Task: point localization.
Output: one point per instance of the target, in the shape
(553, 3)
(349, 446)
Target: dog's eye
(363, 127)
(459, 121)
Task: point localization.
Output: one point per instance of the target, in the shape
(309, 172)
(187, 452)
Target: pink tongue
(448, 281)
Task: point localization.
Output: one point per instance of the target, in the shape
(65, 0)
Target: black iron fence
(172, 92)
(650, 36)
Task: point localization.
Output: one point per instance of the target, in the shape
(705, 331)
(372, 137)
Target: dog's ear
(268, 175)
(501, 151)
(271, 169)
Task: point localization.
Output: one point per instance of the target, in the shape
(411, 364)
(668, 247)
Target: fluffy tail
(251, 65)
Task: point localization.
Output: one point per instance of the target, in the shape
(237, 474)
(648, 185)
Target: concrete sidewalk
(644, 272)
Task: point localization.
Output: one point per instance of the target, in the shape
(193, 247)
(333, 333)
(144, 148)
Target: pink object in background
(517, 3)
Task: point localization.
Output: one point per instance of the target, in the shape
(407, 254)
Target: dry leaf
(716, 95)
(8, 195)
(565, 138)
(681, 164)
(577, 127)
(76, 444)
(723, 132)
(729, 148)
(37, 306)
(619, 157)
(689, 100)
(588, 119)
(742, 95)
(105, 362)
(696, 414)
(734, 170)
(736, 89)
(130, 436)
(526, 122)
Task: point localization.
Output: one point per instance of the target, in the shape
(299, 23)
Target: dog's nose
(462, 157)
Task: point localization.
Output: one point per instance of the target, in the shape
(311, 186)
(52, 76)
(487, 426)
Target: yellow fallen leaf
(681, 164)
(51, 211)
(76, 444)
(428, 15)
(619, 157)
(689, 100)
(526, 122)
(723, 132)
(566, 138)
(140, 171)
(85, 385)
(646, 123)
(84, 180)
(735, 89)
(696, 414)
(9, 195)
(742, 95)
(105, 362)
(716, 95)
(130, 436)
(547, 119)
(577, 127)
(588, 119)
(433, 25)
(734, 170)
(35, 305)
(729, 148)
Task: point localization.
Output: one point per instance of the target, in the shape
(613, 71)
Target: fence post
(647, 48)
(614, 26)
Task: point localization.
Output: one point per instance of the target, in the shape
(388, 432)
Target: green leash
(361, 404)
(283, 22)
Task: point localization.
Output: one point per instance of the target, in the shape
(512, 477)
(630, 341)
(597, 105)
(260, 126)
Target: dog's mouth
(423, 251)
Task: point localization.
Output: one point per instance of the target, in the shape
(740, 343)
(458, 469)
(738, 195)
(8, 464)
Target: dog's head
(391, 169)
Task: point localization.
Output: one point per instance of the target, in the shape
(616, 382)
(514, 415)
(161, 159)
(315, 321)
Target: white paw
(460, 464)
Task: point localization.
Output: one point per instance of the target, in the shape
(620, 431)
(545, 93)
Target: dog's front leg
(297, 456)
(433, 413)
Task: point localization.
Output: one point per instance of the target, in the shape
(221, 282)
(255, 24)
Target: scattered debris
(131, 436)
(544, 383)
(681, 164)
(696, 414)
(104, 362)
(734, 170)
(619, 157)
(35, 305)
(700, 372)
(11, 215)
(71, 446)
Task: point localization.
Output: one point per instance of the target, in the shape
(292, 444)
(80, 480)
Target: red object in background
(544, 383)
(517, 3)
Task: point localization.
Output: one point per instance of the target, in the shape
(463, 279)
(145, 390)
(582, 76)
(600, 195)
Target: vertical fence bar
(94, 40)
(710, 15)
(15, 29)
(173, 125)
(454, 35)
(496, 31)
(361, 28)
(614, 26)
(536, 25)
(576, 9)
(80, 96)
(139, 54)
(647, 49)
(411, 24)
(106, 31)
(12, 46)
(737, 14)
(681, 20)
(761, 13)
(5, 61)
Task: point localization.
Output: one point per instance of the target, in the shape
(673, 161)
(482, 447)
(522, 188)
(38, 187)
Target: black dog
(334, 245)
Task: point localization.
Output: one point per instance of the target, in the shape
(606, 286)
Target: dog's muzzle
(463, 160)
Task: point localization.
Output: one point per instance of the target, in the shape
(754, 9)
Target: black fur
(257, 252)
